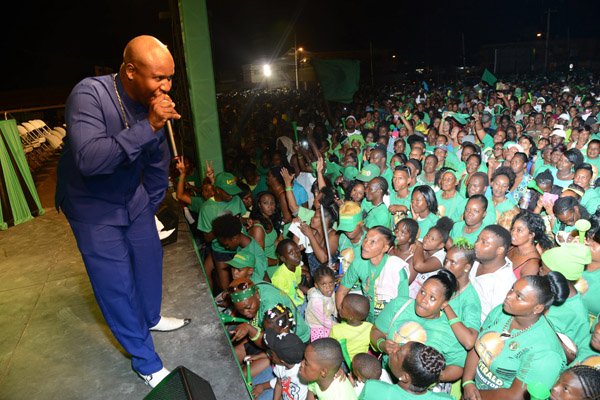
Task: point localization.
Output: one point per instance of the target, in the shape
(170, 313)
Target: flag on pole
(489, 78)
(338, 78)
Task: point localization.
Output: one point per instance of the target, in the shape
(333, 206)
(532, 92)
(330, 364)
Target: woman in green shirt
(589, 284)
(417, 367)
(570, 320)
(451, 203)
(424, 207)
(516, 346)
(464, 308)
(421, 320)
(506, 208)
(472, 224)
(266, 222)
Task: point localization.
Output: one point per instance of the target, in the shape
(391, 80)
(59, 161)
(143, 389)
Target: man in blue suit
(112, 176)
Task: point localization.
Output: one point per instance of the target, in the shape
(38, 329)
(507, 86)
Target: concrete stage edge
(54, 342)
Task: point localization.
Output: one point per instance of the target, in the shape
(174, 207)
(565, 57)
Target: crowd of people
(425, 241)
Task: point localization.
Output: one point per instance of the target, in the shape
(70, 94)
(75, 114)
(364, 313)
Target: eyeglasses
(240, 286)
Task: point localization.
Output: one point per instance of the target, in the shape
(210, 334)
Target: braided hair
(466, 248)
(280, 317)
(589, 378)
(424, 364)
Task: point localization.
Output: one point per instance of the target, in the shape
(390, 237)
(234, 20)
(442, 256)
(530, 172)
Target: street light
(267, 70)
(539, 34)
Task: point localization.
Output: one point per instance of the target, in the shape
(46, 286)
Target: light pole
(296, 50)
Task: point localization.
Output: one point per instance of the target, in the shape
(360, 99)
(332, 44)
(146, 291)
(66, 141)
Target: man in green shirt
(379, 214)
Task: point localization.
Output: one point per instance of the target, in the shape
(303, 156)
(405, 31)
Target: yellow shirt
(288, 282)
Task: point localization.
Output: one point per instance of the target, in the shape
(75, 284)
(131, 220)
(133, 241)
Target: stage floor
(54, 342)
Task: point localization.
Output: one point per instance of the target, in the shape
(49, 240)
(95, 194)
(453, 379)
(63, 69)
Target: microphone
(172, 138)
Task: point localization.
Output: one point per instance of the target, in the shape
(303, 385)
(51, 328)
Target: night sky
(55, 44)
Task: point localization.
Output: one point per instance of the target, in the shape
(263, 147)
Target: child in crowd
(322, 360)
(285, 351)
(320, 310)
(288, 277)
(280, 320)
(354, 330)
(366, 367)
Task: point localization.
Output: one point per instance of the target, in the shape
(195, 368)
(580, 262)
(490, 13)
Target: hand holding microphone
(160, 113)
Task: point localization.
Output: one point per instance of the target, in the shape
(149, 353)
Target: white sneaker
(154, 379)
(167, 324)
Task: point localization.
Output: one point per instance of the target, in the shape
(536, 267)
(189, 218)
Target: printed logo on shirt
(347, 256)
(410, 332)
(290, 391)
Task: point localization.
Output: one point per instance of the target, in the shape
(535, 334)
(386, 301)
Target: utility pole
(463, 51)
(296, 60)
(371, 54)
(547, 39)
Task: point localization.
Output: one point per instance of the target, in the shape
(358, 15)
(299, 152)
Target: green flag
(338, 78)
(488, 77)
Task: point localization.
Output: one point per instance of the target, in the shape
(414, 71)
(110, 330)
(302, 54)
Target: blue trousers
(124, 264)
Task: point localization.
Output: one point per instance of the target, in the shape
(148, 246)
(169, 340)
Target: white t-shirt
(420, 279)
(492, 288)
(292, 388)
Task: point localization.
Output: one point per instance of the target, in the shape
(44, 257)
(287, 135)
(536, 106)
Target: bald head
(145, 51)
(147, 68)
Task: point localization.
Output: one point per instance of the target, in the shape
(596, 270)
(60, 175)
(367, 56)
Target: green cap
(227, 182)
(349, 222)
(569, 259)
(368, 172)
(350, 172)
(243, 259)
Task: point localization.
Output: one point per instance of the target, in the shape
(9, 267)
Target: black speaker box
(182, 384)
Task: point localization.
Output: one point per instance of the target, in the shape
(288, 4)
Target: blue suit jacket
(108, 174)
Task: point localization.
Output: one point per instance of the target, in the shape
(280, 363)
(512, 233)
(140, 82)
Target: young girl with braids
(417, 367)
(517, 347)
(580, 382)
(321, 311)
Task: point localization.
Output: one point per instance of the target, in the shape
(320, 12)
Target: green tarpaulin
(338, 78)
(17, 182)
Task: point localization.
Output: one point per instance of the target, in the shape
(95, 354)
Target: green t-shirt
(379, 215)
(260, 263)
(571, 319)
(288, 282)
(397, 201)
(458, 231)
(591, 200)
(532, 355)
(212, 209)
(357, 338)
(336, 391)
(590, 292)
(196, 203)
(363, 272)
(270, 296)
(594, 161)
(270, 239)
(378, 390)
(452, 208)
(426, 224)
(388, 174)
(468, 307)
(408, 326)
